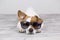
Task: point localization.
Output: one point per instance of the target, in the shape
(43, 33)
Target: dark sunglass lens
(27, 23)
(39, 26)
(24, 24)
(36, 25)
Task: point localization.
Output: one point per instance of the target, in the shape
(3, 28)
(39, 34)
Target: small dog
(29, 22)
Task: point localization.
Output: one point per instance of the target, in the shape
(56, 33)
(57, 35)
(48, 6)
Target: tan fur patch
(40, 20)
(33, 19)
(21, 15)
(36, 19)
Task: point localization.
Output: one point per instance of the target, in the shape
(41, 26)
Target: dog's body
(29, 21)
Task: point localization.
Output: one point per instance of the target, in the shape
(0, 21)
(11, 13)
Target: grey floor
(8, 29)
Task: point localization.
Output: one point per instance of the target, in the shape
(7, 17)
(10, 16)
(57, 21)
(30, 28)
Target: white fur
(42, 26)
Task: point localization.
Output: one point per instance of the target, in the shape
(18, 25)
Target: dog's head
(29, 23)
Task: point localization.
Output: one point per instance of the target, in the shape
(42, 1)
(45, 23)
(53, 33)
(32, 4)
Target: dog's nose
(30, 30)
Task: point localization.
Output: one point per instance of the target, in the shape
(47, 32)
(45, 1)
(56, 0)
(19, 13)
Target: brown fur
(33, 19)
(36, 19)
(20, 14)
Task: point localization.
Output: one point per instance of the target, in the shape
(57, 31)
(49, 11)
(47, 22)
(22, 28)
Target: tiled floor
(8, 29)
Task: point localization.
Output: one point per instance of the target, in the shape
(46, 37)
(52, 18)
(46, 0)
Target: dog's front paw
(38, 31)
(22, 31)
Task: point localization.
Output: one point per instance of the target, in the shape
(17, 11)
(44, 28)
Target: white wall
(40, 6)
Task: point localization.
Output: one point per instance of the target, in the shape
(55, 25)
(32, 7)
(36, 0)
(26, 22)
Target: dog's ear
(39, 20)
(21, 15)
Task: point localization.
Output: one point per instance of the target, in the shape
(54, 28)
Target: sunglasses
(36, 25)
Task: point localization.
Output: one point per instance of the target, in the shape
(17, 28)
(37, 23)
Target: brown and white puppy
(29, 24)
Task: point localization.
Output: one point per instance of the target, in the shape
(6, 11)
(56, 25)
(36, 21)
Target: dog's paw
(38, 31)
(22, 31)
